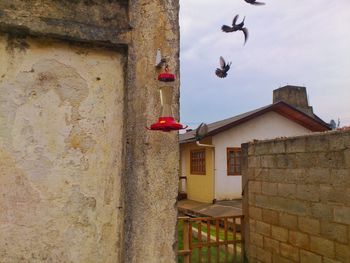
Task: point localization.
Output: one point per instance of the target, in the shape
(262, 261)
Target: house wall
(267, 126)
(80, 176)
(61, 138)
(297, 199)
(199, 187)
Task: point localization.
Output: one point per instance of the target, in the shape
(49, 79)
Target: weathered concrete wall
(82, 179)
(152, 157)
(61, 131)
(82, 20)
(297, 199)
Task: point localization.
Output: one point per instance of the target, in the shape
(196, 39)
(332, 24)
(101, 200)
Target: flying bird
(222, 71)
(254, 2)
(236, 27)
(201, 131)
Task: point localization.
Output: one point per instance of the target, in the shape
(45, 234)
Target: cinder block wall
(297, 199)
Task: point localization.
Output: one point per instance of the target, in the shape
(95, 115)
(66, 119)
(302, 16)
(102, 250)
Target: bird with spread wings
(224, 67)
(254, 2)
(236, 27)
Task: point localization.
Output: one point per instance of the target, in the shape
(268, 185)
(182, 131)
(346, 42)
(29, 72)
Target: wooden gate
(211, 239)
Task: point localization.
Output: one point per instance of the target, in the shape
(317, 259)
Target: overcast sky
(305, 43)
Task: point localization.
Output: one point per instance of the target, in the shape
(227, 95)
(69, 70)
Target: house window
(234, 161)
(198, 161)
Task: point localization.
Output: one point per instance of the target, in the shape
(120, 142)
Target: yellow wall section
(199, 187)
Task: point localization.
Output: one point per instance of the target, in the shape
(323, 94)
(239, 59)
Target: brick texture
(309, 225)
(290, 252)
(299, 239)
(322, 246)
(309, 257)
(301, 197)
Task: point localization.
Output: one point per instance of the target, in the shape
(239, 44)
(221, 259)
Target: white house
(211, 167)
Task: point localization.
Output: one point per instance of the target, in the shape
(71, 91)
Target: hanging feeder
(166, 77)
(166, 121)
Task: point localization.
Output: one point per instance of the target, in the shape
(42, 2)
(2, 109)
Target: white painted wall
(268, 126)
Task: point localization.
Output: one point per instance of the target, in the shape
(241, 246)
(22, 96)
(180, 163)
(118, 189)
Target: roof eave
(314, 124)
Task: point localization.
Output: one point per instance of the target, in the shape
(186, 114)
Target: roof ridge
(312, 123)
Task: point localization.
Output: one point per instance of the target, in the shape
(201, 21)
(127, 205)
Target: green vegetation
(204, 251)
(221, 232)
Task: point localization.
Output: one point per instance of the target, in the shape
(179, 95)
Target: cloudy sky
(304, 43)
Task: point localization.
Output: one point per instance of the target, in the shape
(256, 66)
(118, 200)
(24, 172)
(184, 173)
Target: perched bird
(201, 131)
(254, 2)
(333, 124)
(236, 27)
(160, 61)
(222, 71)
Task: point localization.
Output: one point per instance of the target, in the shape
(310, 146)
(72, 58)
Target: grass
(221, 232)
(204, 251)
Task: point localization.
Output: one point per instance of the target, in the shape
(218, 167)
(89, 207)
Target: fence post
(186, 240)
(243, 240)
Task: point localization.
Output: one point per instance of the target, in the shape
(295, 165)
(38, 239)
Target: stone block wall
(297, 198)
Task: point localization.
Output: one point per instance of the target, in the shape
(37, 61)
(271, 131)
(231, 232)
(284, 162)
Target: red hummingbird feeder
(166, 121)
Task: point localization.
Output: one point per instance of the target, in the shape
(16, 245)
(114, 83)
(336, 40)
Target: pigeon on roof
(201, 131)
(254, 2)
(332, 124)
(236, 27)
(222, 71)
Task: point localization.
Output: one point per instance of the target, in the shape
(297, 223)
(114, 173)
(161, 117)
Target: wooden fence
(211, 239)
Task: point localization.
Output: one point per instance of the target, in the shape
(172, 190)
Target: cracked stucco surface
(82, 180)
(61, 145)
(152, 163)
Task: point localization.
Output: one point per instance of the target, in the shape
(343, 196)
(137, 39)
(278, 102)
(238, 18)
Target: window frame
(236, 171)
(191, 162)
